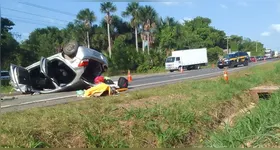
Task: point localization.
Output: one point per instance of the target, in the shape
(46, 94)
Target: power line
(46, 8)
(28, 19)
(34, 14)
(29, 22)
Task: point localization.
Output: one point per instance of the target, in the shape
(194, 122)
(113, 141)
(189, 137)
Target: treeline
(141, 44)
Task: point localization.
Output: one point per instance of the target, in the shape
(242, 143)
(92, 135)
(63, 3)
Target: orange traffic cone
(129, 78)
(213, 66)
(181, 69)
(226, 75)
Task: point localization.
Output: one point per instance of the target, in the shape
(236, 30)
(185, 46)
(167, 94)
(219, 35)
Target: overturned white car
(73, 68)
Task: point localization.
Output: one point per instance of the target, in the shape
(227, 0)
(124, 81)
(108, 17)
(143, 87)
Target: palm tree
(86, 17)
(133, 10)
(148, 18)
(170, 21)
(108, 8)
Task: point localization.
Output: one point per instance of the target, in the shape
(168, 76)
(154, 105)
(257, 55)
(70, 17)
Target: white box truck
(249, 53)
(188, 59)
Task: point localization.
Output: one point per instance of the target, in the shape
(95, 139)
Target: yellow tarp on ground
(97, 90)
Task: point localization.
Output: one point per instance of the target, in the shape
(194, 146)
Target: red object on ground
(98, 79)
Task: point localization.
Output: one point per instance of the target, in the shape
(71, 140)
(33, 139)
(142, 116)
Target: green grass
(6, 89)
(259, 129)
(177, 115)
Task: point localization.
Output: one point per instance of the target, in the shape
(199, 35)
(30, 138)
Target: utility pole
(227, 37)
(256, 46)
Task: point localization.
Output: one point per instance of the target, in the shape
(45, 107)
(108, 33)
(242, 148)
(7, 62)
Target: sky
(255, 19)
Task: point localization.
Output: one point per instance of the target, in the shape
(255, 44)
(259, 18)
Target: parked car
(233, 60)
(260, 58)
(253, 59)
(73, 68)
(5, 75)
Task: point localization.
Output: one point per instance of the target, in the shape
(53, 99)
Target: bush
(125, 57)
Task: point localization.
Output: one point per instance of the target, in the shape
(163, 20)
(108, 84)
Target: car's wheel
(221, 67)
(71, 48)
(231, 65)
(246, 63)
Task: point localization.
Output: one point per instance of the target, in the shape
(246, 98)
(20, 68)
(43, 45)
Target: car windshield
(170, 59)
(229, 56)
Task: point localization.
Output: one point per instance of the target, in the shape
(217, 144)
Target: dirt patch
(75, 141)
(126, 124)
(230, 120)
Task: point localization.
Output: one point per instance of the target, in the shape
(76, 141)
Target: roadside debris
(104, 86)
(8, 98)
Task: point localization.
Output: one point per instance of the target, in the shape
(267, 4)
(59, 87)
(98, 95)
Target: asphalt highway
(22, 102)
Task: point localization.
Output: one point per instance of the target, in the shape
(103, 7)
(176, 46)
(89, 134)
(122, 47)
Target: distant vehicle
(233, 60)
(268, 53)
(5, 75)
(74, 68)
(249, 54)
(186, 59)
(261, 57)
(276, 54)
(253, 59)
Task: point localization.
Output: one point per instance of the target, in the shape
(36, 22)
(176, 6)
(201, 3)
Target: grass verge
(6, 89)
(178, 115)
(259, 129)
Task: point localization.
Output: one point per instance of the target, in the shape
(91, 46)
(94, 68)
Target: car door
(44, 68)
(20, 78)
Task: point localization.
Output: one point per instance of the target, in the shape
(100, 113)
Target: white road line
(159, 82)
(56, 98)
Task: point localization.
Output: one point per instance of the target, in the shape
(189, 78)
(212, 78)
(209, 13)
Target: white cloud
(265, 33)
(223, 6)
(185, 19)
(170, 3)
(275, 27)
(242, 3)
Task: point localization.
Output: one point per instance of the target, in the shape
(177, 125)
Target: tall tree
(86, 17)
(108, 8)
(148, 22)
(133, 10)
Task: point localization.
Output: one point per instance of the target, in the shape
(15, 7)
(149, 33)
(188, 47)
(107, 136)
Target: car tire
(221, 67)
(246, 63)
(71, 48)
